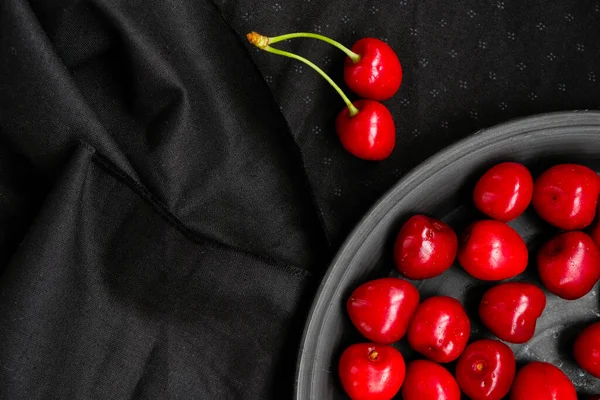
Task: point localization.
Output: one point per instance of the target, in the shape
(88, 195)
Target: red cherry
(504, 191)
(440, 329)
(370, 134)
(569, 265)
(381, 309)
(425, 247)
(566, 196)
(542, 381)
(594, 397)
(370, 371)
(587, 349)
(510, 310)
(486, 369)
(491, 250)
(378, 73)
(426, 380)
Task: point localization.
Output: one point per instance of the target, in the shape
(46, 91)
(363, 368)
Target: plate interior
(442, 187)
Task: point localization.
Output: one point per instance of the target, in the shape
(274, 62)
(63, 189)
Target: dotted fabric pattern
(467, 65)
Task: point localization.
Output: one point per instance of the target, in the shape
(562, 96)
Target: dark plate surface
(441, 187)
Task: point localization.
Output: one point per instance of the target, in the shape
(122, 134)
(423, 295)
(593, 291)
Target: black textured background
(170, 196)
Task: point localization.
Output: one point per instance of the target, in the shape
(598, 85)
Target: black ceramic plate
(441, 187)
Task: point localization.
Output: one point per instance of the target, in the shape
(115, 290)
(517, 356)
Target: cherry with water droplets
(542, 381)
(370, 371)
(486, 369)
(381, 309)
(377, 74)
(511, 310)
(427, 380)
(491, 250)
(566, 196)
(504, 191)
(439, 329)
(425, 247)
(369, 134)
(569, 265)
(587, 349)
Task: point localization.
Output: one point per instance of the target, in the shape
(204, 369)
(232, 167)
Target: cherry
(510, 310)
(426, 380)
(369, 133)
(566, 196)
(377, 73)
(504, 191)
(542, 381)
(491, 250)
(486, 369)
(372, 69)
(587, 349)
(370, 371)
(425, 248)
(439, 329)
(569, 265)
(366, 128)
(381, 309)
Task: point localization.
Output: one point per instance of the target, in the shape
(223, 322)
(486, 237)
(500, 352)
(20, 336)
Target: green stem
(353, 110)
(353, 56)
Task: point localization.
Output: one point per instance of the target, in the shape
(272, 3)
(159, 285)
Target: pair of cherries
(373, 71)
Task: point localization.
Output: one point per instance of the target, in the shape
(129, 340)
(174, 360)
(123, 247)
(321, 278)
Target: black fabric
(170, 196)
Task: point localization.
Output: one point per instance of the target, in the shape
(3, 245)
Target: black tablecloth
(171, 196)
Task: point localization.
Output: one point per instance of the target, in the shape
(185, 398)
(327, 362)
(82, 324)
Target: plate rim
(508, 129)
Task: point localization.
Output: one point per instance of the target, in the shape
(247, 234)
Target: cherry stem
(373, 355)
(353, 56)
(262, 43)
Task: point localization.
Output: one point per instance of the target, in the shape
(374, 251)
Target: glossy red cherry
(504, 191)
(370, 134)
(370, 371)
(377, 75)
(440, 329)
(486, 369)
(425, 247)
(491, 250)
(511, 310)
(426, 380)
(542, 381)
(587, 349)
(566, 196)
(381, 309)
(569, 265)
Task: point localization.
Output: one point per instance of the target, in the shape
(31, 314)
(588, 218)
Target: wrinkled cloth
(171, 196)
